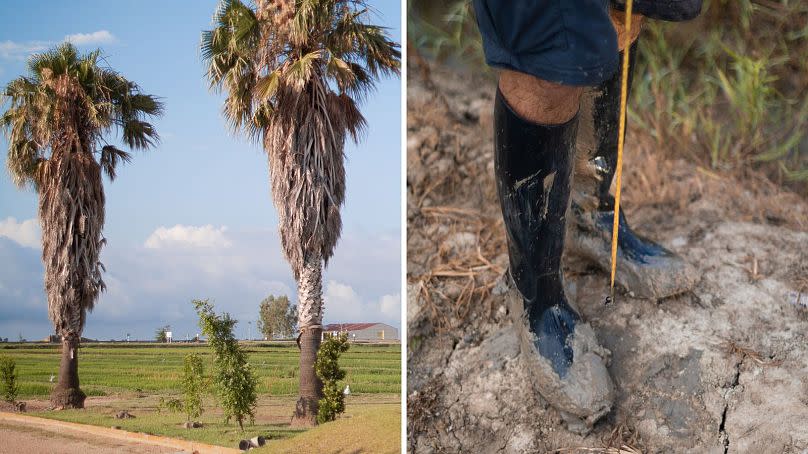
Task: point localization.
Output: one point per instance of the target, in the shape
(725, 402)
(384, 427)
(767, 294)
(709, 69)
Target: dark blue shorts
(571, 42)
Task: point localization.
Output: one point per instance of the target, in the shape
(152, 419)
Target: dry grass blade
(733, 348)
(450, 211)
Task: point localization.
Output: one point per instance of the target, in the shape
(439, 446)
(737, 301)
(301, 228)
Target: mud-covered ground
(721, 369)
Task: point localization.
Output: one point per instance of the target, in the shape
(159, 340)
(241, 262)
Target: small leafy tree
(327, 368)
(277, 316)
(161, 334)
(234, 379)
(193, 386)
(8, 379)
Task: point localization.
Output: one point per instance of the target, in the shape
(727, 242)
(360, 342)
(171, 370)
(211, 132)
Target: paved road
(18, 438)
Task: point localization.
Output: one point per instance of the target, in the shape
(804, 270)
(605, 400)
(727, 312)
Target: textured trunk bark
(310, 317)
(311, 387)
(71, 213)
(67, 393)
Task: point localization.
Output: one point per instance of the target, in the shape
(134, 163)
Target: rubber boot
(643, 266)
(533, 165)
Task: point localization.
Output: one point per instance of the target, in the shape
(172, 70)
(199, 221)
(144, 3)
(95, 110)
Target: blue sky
(193, 217)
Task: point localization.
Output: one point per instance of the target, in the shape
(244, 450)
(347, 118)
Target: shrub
(327, 368)
(8, 379)
(234, 380)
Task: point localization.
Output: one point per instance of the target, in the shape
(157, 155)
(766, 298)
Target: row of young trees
(234, 381)
(292, 72)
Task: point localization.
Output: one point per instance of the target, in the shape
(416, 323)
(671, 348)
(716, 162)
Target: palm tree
(56, 121)
(294, 72)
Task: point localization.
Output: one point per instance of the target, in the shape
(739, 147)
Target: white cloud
(189, 236)
(339, 293)
(97, 37)
(25, 233)
(19, 51)
(11, 50)
(390, 306)
(344, 305)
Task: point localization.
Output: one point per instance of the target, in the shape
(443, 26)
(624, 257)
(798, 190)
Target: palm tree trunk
(71, 212)
(310, 317)
(67, 393)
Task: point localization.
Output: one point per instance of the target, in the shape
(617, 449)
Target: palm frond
(111, 156)
(139, 134)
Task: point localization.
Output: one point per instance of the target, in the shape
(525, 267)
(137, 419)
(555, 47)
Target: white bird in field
(347, 390)
(53, 377)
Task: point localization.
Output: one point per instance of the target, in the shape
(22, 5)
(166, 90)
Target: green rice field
(116, 368)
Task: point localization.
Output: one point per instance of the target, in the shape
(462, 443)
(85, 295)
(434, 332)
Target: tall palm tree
(56, 122)
(294, 72)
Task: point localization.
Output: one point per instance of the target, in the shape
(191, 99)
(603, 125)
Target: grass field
(107, 368)
(135, 376)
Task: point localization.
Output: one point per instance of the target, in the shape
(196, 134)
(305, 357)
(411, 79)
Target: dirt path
(19, 437)
(720, 370)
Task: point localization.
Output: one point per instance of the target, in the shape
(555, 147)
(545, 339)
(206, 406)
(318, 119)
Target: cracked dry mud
(723, 369)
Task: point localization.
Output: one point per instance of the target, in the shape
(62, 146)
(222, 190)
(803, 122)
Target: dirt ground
(18, 437)
(721, 369)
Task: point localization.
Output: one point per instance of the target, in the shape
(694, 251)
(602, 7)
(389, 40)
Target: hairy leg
(539, 101)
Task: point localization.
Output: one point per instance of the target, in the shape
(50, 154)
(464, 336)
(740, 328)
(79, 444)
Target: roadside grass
(725, 91)
(213, 431)
(107, 369)
(371, 428)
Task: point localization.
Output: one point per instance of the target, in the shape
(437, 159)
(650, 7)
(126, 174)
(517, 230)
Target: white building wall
(377, 332)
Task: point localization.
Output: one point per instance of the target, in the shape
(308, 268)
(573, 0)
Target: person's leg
(547, 51)
(535, 123)
(643, 267)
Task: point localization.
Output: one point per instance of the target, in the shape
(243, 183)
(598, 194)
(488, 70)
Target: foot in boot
(533, 165)
(553, 329)
(643, 267)
(564, 355)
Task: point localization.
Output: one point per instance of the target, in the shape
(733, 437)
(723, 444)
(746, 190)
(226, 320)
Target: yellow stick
(620, 143)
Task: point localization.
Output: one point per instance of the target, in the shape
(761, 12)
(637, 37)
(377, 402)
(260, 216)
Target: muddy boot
(643, 266)
(533, 168)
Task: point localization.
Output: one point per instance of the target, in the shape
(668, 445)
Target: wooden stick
(620, 143)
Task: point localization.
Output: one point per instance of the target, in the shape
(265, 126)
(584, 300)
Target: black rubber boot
(667, 10)
(533, 165)
(643, 267)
